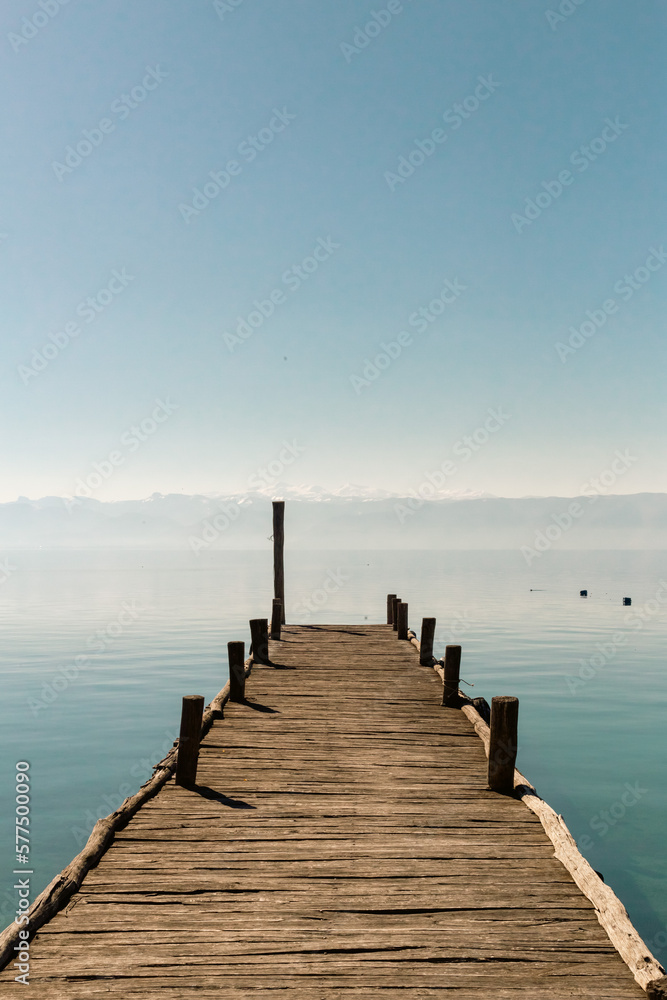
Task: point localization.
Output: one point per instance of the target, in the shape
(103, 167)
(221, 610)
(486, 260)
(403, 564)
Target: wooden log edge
(60, 890)
(611, 913)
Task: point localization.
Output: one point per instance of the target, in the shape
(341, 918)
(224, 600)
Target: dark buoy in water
(627, 600)
(583, 593)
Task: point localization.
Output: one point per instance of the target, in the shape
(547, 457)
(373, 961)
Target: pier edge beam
(188, 741)
(236, 655)
(503, 743)
(426, 637)
(451, 679)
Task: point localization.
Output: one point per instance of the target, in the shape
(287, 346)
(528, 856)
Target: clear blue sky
(334, 110)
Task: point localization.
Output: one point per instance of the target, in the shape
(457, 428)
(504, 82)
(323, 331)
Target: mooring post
(188, 741)
(276, 617)
(394, 612)
(450, 692)
(259, 635)
(657, 989)
(236, 654)
(426, 642)
(402, 620)
(278, 547)
(390, 614)
(503, 744)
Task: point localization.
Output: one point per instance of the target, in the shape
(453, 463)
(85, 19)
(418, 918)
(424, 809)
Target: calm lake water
(149, 627)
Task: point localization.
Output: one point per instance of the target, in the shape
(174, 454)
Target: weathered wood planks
(341, 842)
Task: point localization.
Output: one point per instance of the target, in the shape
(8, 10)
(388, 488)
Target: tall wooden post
(390, 608)
(188, 741)
(450, 692)
(236, 654)
(276, 618)
(278, 547)
(503, 744)
(259, 634)
(394, 612)
(402, 620)
(426, 642)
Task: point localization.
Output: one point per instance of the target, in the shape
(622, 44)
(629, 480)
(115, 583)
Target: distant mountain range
(349, 518)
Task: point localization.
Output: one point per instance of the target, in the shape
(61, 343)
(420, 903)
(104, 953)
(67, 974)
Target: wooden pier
(340, 841)
(335, 836)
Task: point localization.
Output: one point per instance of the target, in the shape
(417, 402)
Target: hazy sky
(498, 166)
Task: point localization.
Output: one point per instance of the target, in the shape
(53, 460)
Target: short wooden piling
(503, 743)
(450, 691)
(390, 608)
(402, 620)
(236, 654)
(394, 612)
(426, 642)
(188, 741)
(259, 634)
(276, 617)
(278, 558)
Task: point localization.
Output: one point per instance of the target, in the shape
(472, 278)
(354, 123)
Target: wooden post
(402, 620)
(278, 547)
(188, 741)
(276, 617)
(450, 692)
(426, 642)
(236, 654)
(503, 744)
(390, 613)
(259, 634)
(394, 612)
